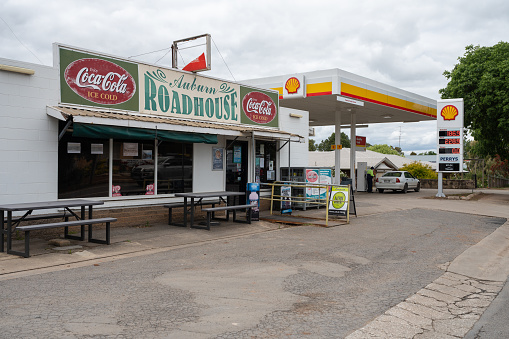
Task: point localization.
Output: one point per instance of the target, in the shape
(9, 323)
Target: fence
(494, 182)
(342, 200)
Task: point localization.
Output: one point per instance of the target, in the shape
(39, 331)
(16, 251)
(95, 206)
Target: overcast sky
(407, 44)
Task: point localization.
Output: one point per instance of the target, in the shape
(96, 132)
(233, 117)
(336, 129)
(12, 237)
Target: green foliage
(311, 145)
(325, 145)
(420, 170)
(428, 153)
(413, 153)
(385, 149)
(481, 78)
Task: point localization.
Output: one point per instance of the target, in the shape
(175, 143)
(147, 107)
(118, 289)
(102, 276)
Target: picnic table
(197, 198)
(7, 223)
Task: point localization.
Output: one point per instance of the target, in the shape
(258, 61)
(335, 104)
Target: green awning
(133, 133)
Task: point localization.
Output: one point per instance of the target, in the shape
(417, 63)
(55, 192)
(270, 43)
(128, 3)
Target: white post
(353, 135)
(440, 193)
(337, 153)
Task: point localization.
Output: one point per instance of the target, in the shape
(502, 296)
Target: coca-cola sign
(259, 107)
(100, 81)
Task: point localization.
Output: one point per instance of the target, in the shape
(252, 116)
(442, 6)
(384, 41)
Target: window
(83, 167)
(265, 166)
(174, 168)
(133, 167)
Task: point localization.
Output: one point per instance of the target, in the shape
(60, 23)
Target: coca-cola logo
(259, 107)
(100, 81)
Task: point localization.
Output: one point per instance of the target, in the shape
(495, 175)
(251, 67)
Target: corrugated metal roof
(166, 123)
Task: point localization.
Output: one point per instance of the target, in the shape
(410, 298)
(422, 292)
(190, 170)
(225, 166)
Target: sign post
(449, 138)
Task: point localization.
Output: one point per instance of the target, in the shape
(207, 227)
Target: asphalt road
(298, 282)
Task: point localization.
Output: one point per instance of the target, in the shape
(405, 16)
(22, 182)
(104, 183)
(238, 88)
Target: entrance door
(236, 167)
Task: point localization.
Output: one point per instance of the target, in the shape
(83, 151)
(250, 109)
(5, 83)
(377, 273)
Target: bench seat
(211, 210)
(173, 205)
(68, 224)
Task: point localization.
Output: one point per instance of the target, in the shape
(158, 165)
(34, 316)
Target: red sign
(198, 64)
(259, 107)
(360, 141)
(311, 176)
(100, 81)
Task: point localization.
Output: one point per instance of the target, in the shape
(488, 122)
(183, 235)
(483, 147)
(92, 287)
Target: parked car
(168, 168)
(397, 181)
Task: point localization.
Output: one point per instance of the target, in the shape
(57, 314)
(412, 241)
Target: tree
(428, 153)
(413, 153)
(311, 145)
(325, 145)
(385, 149)
(420, 170)
(481, 78)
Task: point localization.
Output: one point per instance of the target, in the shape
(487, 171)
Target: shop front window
(174, 168)
(133, 167)
(83, 167)
(265, 162)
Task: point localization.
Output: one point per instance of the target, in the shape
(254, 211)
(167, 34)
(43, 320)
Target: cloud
(405, 44)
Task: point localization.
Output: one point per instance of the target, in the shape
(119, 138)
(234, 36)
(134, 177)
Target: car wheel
(418, 188)
(405, 189)
(380, 190)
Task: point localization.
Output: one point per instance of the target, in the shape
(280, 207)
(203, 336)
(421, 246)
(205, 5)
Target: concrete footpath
(448, 307)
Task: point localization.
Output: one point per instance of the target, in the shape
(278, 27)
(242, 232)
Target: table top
(209, 194)
(41, 205)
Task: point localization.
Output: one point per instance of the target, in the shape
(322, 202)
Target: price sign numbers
(448, 151)
(449, 141)
(451, 133)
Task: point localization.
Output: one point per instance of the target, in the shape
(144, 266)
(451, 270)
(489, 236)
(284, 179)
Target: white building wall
(28, 137)
(204, 179)
(295, 125)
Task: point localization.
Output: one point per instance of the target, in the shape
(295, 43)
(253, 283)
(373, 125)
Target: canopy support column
(353, 147)
(337, 152)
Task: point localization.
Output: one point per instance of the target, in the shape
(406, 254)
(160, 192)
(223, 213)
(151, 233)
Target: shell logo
(292, 85)
(449, 112)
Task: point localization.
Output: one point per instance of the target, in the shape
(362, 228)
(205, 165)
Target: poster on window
(217, 159)
(130, 149)
(96, 149)
(73, 147)
(237, 154)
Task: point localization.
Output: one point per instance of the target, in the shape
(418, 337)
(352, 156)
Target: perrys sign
(95, 80)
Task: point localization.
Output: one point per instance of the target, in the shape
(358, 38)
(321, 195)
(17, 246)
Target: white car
(397, 181)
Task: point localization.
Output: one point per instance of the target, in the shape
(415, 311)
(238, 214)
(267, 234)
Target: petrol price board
(450, 135)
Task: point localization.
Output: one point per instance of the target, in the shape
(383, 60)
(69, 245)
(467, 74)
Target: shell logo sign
(449, 112)
(259, 107)
(292, 85)
(100, 81)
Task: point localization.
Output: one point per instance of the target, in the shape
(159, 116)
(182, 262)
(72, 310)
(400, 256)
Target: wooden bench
(68, 224)
(173, 205)
(210, 213)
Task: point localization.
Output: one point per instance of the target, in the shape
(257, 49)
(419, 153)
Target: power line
(224, 60)
(9, 27)
(133, 56)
